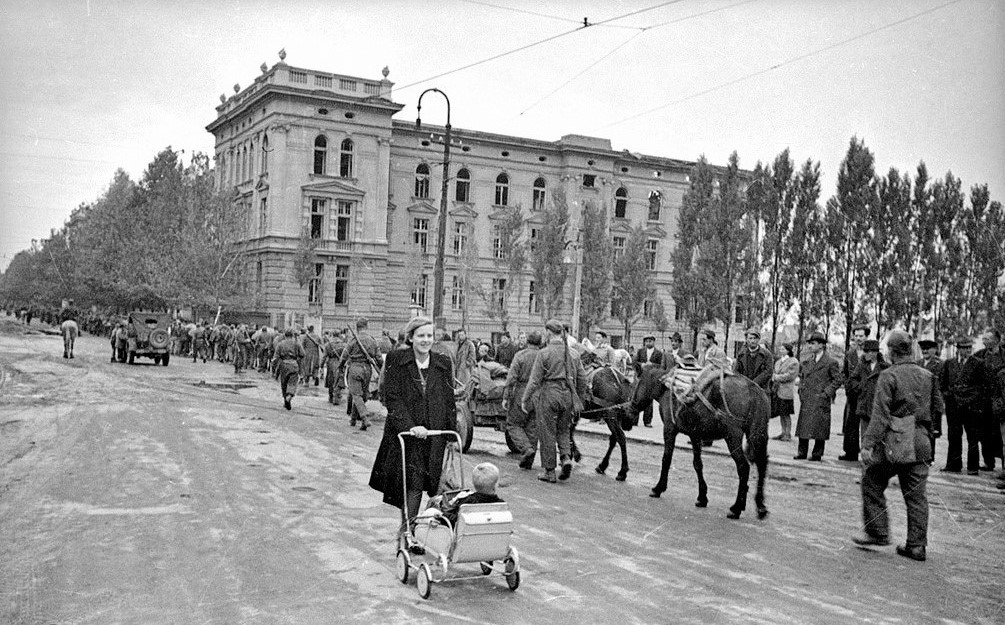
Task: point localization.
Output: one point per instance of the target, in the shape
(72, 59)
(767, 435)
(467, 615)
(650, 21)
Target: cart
(479, 403)
(482, 536)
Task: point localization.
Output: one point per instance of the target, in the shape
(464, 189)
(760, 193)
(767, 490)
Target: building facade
(343, 202)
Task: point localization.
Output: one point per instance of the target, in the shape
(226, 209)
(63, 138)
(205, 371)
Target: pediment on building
(500, 212)
(621, 226)
(464, 212)
(422, 207)
(333, 187)
(536, 218)
(656, 231)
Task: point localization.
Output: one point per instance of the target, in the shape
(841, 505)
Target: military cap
(752, 332)
(870, 345)
(361, 323)
(554, 325)
(927, 344)
(964, 341)
(676, 337)
(602, 333)
(817, 337)
(899, 342)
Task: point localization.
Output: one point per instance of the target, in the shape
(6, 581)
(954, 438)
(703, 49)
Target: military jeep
(149, 336)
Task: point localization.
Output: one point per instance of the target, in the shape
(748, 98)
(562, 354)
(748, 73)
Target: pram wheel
(511, 568)
(424, 581)
(486, 567)
(401, 566)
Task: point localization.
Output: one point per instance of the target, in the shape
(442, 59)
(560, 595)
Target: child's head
(485, 477)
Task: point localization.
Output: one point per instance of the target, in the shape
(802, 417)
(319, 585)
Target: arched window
(655, 204)
(265, 154)
(320, 154)
(502, 190)
(345, 159)
(422, 181)
(620, 203)
(538, 201)
(462, 191)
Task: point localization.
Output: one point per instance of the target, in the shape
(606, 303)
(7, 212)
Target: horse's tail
(757, 437)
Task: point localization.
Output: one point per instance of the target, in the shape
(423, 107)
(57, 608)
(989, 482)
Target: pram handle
(404, 478)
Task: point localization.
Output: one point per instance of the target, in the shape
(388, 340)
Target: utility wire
(790, 61)
(545, 15)
(643, 30)
(536, 43)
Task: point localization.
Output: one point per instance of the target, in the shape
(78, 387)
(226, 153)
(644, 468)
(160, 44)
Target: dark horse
(739, 408)
(609, 400)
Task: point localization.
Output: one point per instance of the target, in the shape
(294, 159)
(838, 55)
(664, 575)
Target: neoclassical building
(318, 160)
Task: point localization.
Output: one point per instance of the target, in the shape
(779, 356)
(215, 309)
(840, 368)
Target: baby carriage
(482, 534)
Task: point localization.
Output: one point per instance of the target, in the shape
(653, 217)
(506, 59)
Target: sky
(88, 87)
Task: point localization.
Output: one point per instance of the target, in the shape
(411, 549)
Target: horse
(733, 409)
(70, 332)
(608, 400)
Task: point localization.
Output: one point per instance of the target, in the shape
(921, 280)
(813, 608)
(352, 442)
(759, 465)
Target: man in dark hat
(863, 384)
(754, 360)
(556, 374)
(896, 444)
(964, 393)
(648, 354)
(930, 360)
(819, 380)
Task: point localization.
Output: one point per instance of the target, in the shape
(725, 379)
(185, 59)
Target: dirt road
(186, 494)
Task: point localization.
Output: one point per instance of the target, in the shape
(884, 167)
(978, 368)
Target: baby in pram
(484, 477)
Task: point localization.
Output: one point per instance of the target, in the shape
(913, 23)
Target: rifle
(369, 358)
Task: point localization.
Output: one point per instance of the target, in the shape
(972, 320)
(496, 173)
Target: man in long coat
(852, 357)
(964, 392)
(465, 357)
(309, 366)
(819, 380)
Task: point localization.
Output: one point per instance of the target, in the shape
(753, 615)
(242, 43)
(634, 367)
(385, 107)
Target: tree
(550, 273)
(306, 257)
(658, 316)
(945, 262)
(772, 196)
(922, 229)
(512, 253)
(467, 265)
(889, 248)
(598, 257)
(633, 282)
(983, 228)
(803, 246)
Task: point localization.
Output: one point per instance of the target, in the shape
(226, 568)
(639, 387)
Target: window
(618, 243)
(265, 154)
(647, 307)
(533, 240)
(538, 202)
(499, 292)
(422, 181)
(462, 192)
(341, 284)
(456, 294)
(460, 238)
(420, 232)
(498, 245)
(343, 221)
(655, 204)
(263, 216)
(314, 286)
(502, 190)
(533, 304)
(320, 153)
(620, 203)
(419, 292)
(589, 181)
(345, 159)
(318, 207)
(651, 254)
(678, 312)
(258, 275)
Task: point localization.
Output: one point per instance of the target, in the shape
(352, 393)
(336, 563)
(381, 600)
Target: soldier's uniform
(522, 427)
(288, 355)
(357, 357)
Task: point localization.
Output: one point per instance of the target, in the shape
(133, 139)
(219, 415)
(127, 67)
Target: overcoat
(818, 382)
(408, 406)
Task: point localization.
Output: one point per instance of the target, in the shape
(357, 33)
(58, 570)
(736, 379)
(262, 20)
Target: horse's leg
(762, 471)
(619, 435)
(602, 467)
(669, 439)
(734, 442)
(702, 499)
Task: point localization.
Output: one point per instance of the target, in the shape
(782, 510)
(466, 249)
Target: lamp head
(418, 123)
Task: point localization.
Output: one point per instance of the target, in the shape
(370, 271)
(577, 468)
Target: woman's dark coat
(407, 407)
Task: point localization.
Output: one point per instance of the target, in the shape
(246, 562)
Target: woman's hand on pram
(419, 431)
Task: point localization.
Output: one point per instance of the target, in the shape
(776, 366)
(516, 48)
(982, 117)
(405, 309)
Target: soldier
(963, 388)
(556, 375)
(521, 426)
(360, 355)
(287, 358)
(198, 336)
(311, 343)
(896, 443)
(930, 360)
(333, 351)
(242, 343)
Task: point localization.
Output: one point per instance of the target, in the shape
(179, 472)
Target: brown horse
(736, 408)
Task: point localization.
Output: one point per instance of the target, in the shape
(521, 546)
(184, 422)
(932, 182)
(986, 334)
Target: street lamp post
(441, 234)
(577, 292)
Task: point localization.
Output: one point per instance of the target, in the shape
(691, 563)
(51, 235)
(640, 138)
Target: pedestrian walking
(783, 385)
(897, 443)
(557, 383)
(819, 380)
(287, 359)
(358, 356)
(311, 363)
(520, 425)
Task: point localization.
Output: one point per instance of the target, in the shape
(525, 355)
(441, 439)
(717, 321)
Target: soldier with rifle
(361, 357)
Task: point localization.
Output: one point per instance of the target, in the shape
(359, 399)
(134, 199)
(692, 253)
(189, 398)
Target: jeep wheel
(164, 359)
(159, 338)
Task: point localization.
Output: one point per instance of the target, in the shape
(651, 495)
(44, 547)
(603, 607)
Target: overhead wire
(536, 43)
(545, 15)
(789, 61)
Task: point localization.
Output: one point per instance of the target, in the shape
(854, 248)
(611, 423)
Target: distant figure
(70, 332)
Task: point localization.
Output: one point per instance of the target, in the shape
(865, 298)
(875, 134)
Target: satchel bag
(898, 443)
